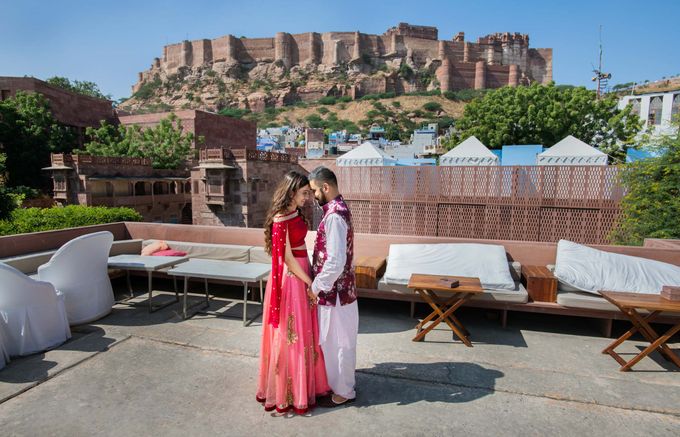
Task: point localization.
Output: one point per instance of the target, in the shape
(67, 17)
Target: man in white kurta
(338, 319)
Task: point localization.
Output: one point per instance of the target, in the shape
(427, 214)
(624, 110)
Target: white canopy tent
(469, 152)
(366, 155)
(571, 151)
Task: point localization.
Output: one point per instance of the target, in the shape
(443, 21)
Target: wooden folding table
(630, 304)
(436, 291)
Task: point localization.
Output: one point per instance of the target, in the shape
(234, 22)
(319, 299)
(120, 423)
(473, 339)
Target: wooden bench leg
(413, 310)
(607, 327)
(504, 319)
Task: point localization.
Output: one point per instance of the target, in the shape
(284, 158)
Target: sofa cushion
(487, 262)
(575, 299)
(519, 295)
(258, 255)
(225, 252)
(593, 270)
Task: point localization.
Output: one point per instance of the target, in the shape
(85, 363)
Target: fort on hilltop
(371, 62)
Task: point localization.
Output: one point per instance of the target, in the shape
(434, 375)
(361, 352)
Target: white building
(656, 110)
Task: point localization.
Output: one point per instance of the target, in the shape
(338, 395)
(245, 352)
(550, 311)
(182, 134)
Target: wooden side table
(367, 270)
(436, 291)
(630, 304)
(540, 283)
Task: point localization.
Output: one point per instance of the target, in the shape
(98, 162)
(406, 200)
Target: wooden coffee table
(436, 291)
(630, 304)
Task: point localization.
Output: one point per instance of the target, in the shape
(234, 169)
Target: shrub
(322, 110)
(147, 90)
(328, 100)
(46, 219)
(233, 112)
(432, 106)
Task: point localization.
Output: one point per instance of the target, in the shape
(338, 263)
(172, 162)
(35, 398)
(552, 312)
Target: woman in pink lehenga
(292, 370)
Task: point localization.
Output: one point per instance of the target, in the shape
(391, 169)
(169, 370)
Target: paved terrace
(135, 373)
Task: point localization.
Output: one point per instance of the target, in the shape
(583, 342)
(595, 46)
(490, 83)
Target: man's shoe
(330, 402)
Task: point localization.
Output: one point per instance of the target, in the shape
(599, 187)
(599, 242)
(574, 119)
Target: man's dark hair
(323, 175)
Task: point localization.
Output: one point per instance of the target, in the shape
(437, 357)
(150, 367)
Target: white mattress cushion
(487, 262)
(593, 270)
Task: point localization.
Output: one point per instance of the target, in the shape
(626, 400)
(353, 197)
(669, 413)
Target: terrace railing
(526, 203)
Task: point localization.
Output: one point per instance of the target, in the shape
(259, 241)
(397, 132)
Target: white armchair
(4, 354)
(79, 271)
(32, 314)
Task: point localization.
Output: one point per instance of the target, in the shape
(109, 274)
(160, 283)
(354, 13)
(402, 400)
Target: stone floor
(135, 373)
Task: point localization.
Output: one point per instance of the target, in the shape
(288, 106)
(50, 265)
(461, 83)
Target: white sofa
(455, 260)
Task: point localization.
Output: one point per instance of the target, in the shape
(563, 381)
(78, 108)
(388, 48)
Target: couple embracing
(311, 318)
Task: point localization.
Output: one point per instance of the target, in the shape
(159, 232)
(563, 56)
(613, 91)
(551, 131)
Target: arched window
(675, 109)
(655, 106)
(635, 103)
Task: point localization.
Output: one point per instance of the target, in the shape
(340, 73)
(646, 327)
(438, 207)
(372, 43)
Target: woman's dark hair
(281, 201)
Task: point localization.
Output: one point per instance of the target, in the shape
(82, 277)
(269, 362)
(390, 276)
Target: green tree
(29, 133)
(651, 206)
(6, 204)
(544, 114)
(166, 144)
(81, 87)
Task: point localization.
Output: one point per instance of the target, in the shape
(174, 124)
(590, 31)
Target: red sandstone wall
(67, 107)
(257, 49)
(221, 131)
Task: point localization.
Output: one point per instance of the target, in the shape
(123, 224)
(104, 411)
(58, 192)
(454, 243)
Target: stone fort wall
(507, 57)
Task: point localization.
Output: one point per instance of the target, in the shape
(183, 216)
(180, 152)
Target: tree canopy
(544, 114)
(166, 144)
(651, 206)
(29, 133)
(81, 87)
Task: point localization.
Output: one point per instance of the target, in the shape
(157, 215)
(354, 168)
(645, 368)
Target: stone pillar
(335, 59)
(232, 55)
(466, 52)
(442, 50)
(356, 52)
(480, 75)
(314, 48)
(460, 37)
(282, 49)
(444, 75)
(490, 54)
(393, 43)
(513, 75)
(186, 57)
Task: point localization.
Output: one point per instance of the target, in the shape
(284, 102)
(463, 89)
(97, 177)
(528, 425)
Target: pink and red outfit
(292, 370)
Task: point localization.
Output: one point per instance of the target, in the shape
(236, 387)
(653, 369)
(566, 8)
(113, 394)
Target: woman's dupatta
(279, 236)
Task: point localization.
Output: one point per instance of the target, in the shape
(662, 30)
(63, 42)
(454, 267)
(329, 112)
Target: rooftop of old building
(132, 372)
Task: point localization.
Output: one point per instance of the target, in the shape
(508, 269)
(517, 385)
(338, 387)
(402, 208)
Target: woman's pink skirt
(292, 369)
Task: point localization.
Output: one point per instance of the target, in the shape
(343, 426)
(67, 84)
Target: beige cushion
(126, 247)
(519, 295)
(29, 263)
(224, 252)
(258, 255)
(575, 299)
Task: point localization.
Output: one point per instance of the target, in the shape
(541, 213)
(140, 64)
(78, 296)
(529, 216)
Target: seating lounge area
(537, 337)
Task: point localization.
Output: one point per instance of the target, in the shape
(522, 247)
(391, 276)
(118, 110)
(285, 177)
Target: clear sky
(108, 42)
